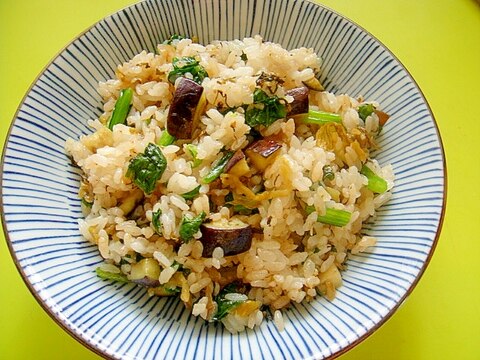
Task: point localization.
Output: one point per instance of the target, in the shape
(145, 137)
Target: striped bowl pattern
(41, 208)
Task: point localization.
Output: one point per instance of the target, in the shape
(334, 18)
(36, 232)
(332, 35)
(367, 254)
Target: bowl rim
(57, 319)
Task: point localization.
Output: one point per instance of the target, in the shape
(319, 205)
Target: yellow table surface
(439, 43)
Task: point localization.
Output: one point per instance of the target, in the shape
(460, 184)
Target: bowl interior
(41, 208)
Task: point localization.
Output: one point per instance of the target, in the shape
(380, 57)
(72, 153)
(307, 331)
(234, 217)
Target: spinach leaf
(191, 194)
(173, 38)
(184, 65)
(265, 109)
(218, 168)
(147, 168)
(156, 221)
(225, 306)
(189, 226)
(365, 111)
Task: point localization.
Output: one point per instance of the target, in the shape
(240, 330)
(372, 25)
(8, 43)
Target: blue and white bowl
(41, 207)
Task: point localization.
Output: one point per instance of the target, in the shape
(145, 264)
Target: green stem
(332, 216)
(321, 117)
(166, 139)
(218, 169)
(121, 109)
(375, 182)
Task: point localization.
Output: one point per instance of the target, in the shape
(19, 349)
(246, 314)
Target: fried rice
(252, 206)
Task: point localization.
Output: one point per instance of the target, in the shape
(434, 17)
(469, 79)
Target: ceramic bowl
(41, 207)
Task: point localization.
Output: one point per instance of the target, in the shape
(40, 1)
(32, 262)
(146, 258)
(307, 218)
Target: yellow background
(439, 43)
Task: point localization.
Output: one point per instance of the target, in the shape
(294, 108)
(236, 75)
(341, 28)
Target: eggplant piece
(299, 105)
(237, 165)
(146, 272)
(382, 117)
(130, 202)
(263, 152)
(233, 236)
(184, 113)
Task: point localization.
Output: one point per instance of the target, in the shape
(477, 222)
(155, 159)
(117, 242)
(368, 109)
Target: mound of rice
(293, 257)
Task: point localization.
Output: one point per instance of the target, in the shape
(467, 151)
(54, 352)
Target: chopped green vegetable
(184, 65)
(121, 109)
(147, 168)
(173, 38)
(365, 111)
(335, 217)
(106, 275)
(192, 149)
(86, 203)
(128, 259)
(224, 306)
(189, 226)
(375, 182)
(218, 168)
(166, 139)
(176, 265)
(321, 117)
(243, 56)
(156, 221)
(191, 194)
(328, 173)
(332, 216)
(265, 109)
(170, 290)
(242, 210)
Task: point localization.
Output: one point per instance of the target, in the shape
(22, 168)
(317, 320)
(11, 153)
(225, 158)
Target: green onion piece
(332, 216)
(166, 139)
(191, 194)
(365, 111)
(217, 170)
(321, 117)
(192, 149)
(106, 275)
(375, 182)
(121, 109)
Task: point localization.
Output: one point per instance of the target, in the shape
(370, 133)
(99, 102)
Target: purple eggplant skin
(233, 241)
(147, 282)
(237, 156)
(182, 116)
(300, 103)
(262, 153)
